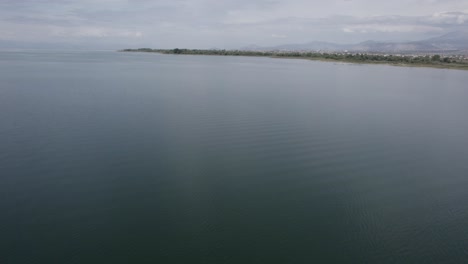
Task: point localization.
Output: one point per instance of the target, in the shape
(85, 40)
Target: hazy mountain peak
(456, 41)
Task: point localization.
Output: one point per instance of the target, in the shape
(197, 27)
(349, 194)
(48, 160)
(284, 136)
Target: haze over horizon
(114, 24)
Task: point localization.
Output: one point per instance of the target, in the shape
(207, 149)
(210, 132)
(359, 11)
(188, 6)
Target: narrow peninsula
(427, 60)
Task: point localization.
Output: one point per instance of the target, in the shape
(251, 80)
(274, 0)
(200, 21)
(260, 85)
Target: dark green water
(112, 157)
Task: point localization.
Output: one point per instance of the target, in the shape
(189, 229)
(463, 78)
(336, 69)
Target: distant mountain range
(454, 42)
(451, 43)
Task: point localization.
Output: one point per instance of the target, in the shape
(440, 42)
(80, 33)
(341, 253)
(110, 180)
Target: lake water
(110, 157)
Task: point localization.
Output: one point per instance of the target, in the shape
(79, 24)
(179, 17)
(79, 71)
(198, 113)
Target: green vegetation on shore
(436, 61)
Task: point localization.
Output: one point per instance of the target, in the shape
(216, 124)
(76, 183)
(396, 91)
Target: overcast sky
(224, 24)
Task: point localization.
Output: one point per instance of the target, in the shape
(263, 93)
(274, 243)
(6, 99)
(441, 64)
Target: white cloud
(449, 18)
(372, 28)
(278, 36)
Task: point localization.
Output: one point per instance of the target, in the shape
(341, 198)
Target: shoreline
(411, 65)
(302, 56)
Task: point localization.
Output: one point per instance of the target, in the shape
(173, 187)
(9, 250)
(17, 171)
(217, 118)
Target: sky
(115, 24)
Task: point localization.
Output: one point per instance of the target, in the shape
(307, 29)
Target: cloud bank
(225, 24)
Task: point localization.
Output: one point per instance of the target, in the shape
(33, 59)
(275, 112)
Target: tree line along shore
(437, 61)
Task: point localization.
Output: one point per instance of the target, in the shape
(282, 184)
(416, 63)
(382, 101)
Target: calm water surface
(110, 157)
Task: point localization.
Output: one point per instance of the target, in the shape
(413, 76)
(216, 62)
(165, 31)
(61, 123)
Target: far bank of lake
(432, 61)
